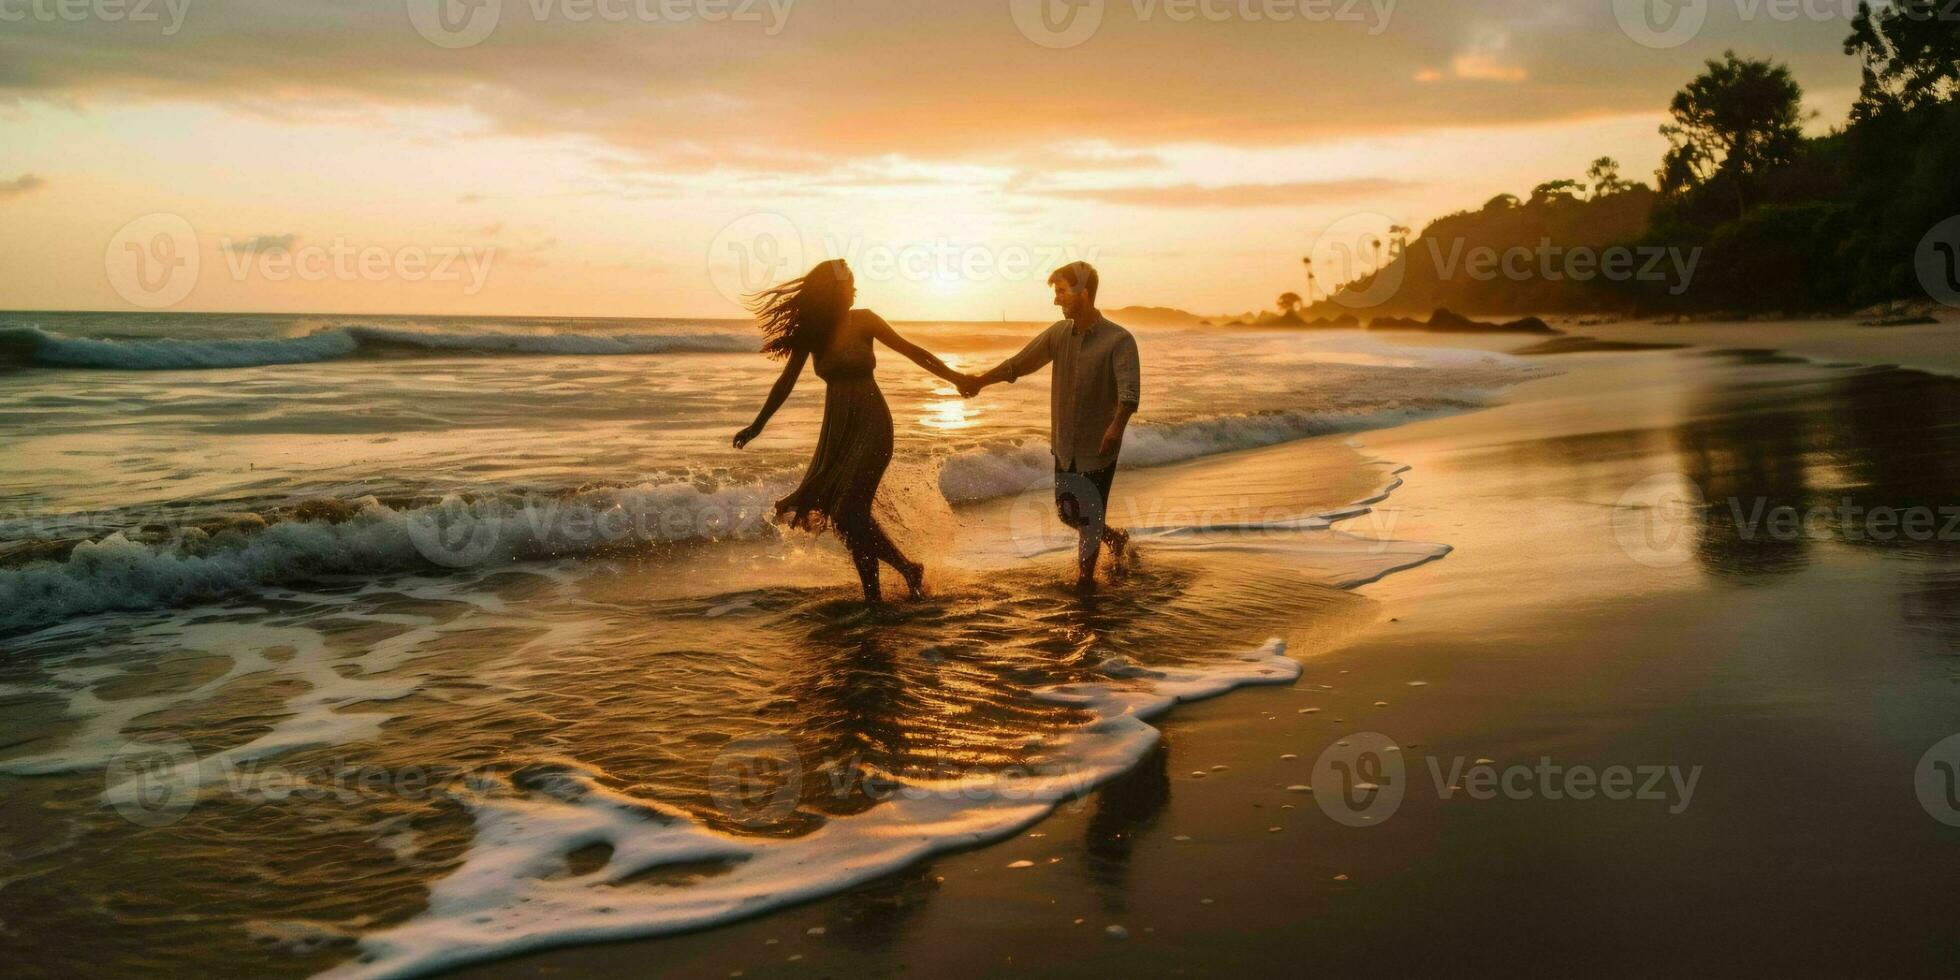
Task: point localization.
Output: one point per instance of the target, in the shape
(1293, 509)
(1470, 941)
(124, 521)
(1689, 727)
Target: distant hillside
(1457, 260)
(1155, 316)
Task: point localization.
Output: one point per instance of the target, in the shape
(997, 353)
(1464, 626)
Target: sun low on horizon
(643, 158)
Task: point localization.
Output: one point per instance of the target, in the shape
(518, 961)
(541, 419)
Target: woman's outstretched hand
(969, 385)
(744, 437)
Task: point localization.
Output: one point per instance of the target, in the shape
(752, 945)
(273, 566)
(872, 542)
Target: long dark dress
(853, 448)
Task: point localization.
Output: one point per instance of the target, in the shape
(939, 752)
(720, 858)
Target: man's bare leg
(1087, 549)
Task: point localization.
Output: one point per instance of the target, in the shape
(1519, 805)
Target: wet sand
(1795, 680)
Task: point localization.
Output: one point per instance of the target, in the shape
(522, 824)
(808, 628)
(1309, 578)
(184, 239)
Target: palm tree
(1308, 262)
(1376, 244)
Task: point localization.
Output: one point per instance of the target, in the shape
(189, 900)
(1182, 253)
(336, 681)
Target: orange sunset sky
(654, 157)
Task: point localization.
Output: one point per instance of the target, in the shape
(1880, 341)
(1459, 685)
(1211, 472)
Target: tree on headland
(1288, 302)
(1556, 190)
(1911, 55)
(1605, 176)
(1733, 122)
(1774, 221)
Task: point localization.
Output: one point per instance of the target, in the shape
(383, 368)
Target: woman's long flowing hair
(801, 314)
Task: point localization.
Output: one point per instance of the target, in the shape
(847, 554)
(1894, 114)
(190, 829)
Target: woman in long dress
(811, 319)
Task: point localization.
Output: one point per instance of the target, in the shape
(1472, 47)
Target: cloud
(1227, 195)
(262, 245)
(24, 184)
(1483, 67)
(855, 80)
(1484, 60)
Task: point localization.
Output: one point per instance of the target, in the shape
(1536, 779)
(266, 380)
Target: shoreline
(1526, 646)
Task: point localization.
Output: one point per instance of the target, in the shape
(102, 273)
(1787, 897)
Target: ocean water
(379, 645)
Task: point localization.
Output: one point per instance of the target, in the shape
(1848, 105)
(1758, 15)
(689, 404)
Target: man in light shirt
(1094, 393)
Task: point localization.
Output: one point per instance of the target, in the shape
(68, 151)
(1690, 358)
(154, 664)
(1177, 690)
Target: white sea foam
(117, 573)
(513, 892)
(35, 347)
(996, 471)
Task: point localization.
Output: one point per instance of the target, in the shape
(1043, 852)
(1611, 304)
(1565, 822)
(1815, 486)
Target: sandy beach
(1612, 660)
(748, 488)
(1795, 684)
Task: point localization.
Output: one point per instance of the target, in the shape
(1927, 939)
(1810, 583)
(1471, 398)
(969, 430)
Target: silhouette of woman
(811, 318)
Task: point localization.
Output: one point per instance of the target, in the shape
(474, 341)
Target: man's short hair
(1076, 275)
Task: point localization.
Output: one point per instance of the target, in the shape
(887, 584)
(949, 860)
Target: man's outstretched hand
(969, 385)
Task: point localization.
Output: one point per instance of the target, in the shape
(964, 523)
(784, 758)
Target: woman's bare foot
(915, 579)
(1118, 541)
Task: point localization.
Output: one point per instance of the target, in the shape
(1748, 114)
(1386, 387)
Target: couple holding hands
(1094, 393)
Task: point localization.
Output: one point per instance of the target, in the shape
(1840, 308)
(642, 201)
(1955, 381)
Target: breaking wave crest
(33, 347)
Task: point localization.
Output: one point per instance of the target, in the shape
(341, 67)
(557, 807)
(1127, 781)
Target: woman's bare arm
(777, 395)
(919, 355)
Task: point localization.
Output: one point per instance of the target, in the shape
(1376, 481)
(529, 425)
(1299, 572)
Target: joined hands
(969, 385)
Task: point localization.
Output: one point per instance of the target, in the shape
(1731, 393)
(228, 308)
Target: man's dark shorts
(1082, 499)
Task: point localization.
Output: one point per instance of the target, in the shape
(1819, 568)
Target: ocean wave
(29, 347)
(996, 471)
(233, 553)
(366, 536)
